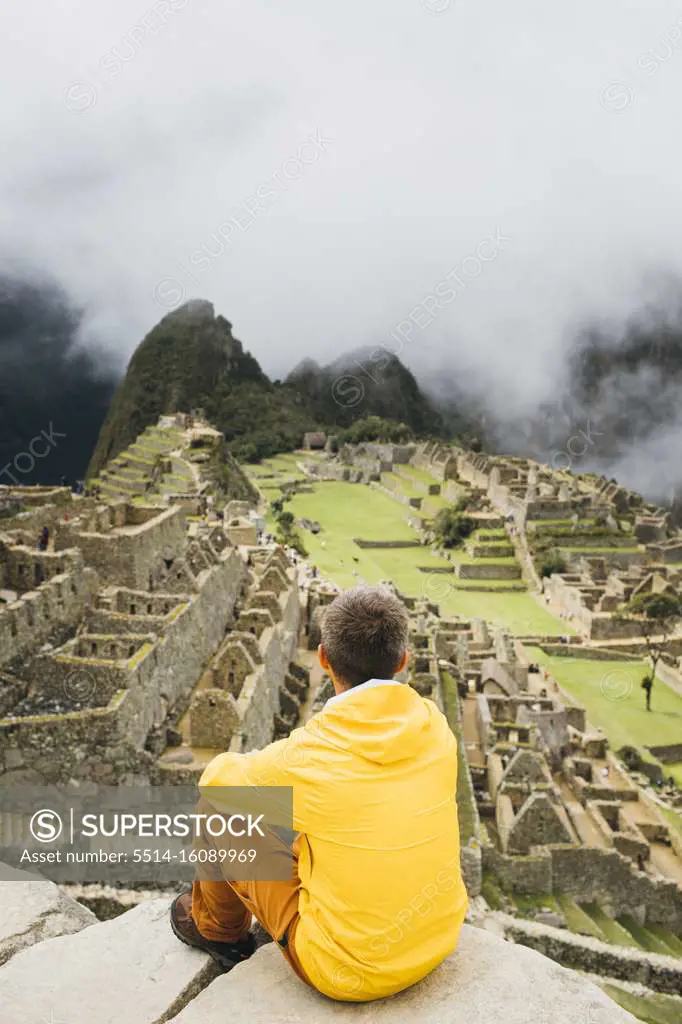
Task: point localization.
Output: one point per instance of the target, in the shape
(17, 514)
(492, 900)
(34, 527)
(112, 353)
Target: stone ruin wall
(121, 612)
(57, 602)
(564, 589)
(127, 559)
(259, 700)
(589, 874)
(488, 572)
(582, 953)
(146, 610)
(107, 742)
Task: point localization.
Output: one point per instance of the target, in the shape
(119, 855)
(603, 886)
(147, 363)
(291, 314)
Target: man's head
(364, 636)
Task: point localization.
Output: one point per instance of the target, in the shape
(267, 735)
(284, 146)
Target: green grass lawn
(612, 694)
(651, 1009)
(419, 474)
(351, 510)
(673, 817)
(520, 613)
(529, 904)
(400, 485)
(612, 930)
(551, 523)
(286, 463)
(576, 918)
(466, 801)
(346, 511)
(590, 549)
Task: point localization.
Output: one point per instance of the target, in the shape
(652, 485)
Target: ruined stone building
(154, 630)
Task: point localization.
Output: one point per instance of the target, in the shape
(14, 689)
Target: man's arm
(278, 764)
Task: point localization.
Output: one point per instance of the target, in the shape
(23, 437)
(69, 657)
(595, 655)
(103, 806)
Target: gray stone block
(129, 969)
(31, 911)
(487, 980)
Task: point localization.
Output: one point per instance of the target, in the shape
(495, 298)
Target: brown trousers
(222, 910)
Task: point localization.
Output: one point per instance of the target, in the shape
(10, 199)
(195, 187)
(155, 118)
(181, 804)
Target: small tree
(452, 526)
(550, 562)
(659, 616)
(285, 521)
(288, 534)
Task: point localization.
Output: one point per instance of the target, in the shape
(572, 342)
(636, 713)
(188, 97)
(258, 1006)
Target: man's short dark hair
(364, 634)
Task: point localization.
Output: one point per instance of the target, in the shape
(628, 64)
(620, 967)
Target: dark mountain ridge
(622, 388)
(192, 360)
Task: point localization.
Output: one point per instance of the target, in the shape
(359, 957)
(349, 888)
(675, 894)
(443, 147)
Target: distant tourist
(377, 824)
(44, 539)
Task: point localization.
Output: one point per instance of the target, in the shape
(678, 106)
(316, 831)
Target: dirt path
(472, 740)
(582, 823)
(525, 559)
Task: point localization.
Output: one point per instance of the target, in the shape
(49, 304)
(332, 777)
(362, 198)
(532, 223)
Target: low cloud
(139, 134)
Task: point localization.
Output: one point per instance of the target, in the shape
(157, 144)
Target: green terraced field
(653, 938)
(576, 918)
(420, 474)
(589, 549)
(674, 818)
(612, 695)
(431, 503)
(651, 1009)
(466, 801)
(520, 613)
(346, 511)
(612, 930)
(528, 904)
(591, 919)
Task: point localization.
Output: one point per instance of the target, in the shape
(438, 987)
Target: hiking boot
(226, 954)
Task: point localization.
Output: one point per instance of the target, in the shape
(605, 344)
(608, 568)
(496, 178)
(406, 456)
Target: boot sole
(225, 963)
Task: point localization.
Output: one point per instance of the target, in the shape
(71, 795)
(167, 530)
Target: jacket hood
(384, 723)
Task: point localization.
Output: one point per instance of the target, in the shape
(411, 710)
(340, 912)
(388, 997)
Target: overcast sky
(136, 132)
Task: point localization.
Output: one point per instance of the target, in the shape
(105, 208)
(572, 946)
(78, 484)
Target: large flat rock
(31, 911)
(131, 970)
(485, 982)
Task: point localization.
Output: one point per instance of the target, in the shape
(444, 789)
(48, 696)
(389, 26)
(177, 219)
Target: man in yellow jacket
(377, 899)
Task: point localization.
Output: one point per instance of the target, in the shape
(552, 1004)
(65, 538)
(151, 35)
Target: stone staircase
(135, 471)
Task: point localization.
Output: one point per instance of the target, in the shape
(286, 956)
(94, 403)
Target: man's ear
(403, 662)
(324, 660)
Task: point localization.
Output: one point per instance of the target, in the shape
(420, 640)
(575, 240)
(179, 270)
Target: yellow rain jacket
(374, 778)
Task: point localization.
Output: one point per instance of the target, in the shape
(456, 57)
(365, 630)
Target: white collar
(369, 685)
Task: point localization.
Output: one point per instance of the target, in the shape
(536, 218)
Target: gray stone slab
(487, 981)
(32, 910)
(131, 970)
